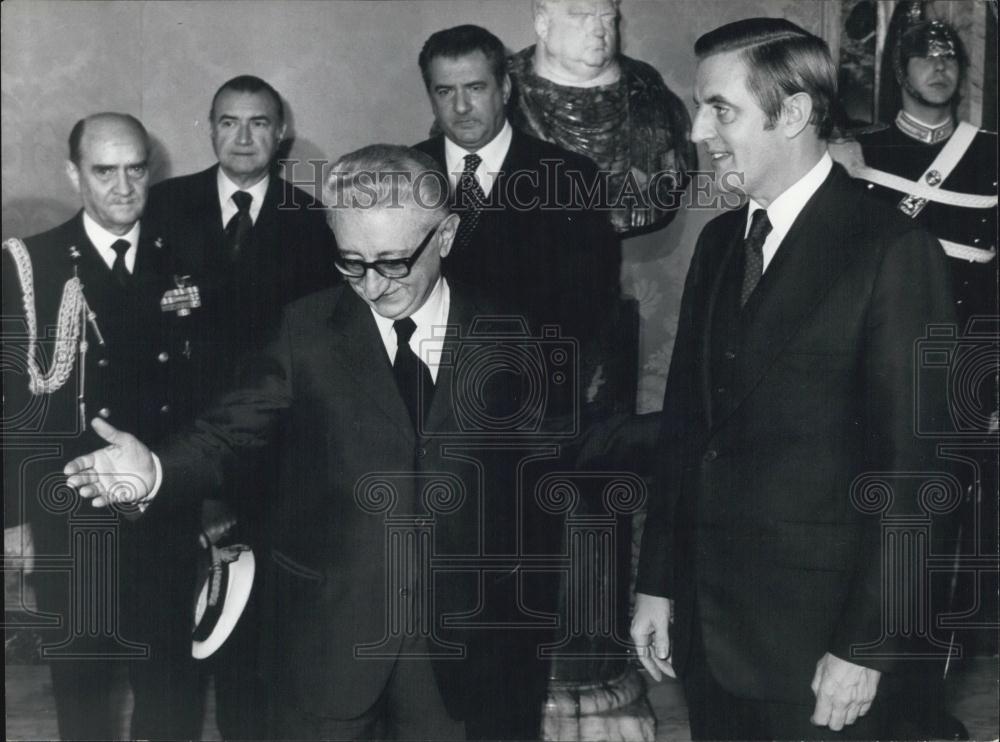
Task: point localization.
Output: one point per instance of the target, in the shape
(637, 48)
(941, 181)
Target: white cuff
(157, 483)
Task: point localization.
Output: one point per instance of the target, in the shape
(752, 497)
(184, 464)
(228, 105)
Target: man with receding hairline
(85, 335)
(760, 575)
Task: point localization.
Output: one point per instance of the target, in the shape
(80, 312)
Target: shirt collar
(492, 154)
(785, 209)
(102, 240)
(926, 133)
(227, 188)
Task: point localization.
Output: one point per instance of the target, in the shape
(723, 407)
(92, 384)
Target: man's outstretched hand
(123, 472)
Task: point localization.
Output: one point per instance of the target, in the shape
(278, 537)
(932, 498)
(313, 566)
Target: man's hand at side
(650, 625)
(844, 691)
(123, 472)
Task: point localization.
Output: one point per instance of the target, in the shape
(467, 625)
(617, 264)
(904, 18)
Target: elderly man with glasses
(380, 405)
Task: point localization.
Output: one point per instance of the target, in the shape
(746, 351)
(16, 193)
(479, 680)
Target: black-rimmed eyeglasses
(388, 268)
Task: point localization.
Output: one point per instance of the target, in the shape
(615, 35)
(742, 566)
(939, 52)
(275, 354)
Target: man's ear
(505, 87)
(73, 173)
(446, 233)
(796, 110)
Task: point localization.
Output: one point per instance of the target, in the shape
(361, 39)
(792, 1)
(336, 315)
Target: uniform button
(870, 186)
(730, 355)
(404, 592)
(165, 409)
(711, 455)
(976, 241)
(420, 522)
(104, 412)
(104, 363)
(720, 390)
(163, 356)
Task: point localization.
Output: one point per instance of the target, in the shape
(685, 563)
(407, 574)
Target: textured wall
(348, 71)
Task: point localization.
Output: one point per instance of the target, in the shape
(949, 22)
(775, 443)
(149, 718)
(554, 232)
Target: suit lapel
(362, 353)
(809, 261)
(210, 220)
(730, 253)
(459, 320)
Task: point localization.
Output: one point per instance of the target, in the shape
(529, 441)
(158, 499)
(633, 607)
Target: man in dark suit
(83, 335)
(791, 389)
(370, 387)
(528, 238)
(251, 242)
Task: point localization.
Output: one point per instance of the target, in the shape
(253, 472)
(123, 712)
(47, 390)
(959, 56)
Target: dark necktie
(118, 269)
(239, 226)
(471, 200)
(753, 251)
(412, 375)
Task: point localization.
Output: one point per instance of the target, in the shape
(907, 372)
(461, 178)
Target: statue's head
(579, 34)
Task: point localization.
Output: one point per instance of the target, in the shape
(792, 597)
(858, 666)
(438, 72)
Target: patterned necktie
(412, 375)
(118, 269)
(753, 250)
(471, 200)
(239, 225)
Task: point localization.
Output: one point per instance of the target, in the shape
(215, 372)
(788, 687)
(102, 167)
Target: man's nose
(701, 129)
(243, 134)
(123, 186)
(462, 104)
(374, 284)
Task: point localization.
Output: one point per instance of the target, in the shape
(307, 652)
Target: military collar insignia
(920, 131)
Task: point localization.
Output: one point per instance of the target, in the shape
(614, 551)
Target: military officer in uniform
(84, 335)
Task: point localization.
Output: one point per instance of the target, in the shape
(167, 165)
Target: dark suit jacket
(536, 251)
(752, 517)
(349, 459)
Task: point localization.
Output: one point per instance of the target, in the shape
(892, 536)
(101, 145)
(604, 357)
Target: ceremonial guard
(936, 169)
(88, 312)
(942, 172)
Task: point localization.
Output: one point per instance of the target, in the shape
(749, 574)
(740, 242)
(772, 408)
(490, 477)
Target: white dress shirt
(226, 190)
(785, 208)
(429, 336)
(493, 155)
(102, 239)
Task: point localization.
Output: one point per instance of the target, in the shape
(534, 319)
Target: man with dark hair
(250, 242)
(528, 238)
(365, 386)
(84, 335)
(788, 412)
